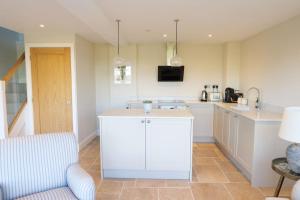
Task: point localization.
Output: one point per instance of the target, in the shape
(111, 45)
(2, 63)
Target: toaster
(214, 96)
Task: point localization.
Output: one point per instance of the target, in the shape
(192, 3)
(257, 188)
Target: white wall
(231, 65)
(203, 65)
(86, 97)
(271, 62)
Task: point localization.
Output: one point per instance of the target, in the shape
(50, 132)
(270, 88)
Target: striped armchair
(43, 167)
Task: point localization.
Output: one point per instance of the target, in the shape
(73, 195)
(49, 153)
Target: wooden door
(51, 89)
(123, 143)
(168, 144)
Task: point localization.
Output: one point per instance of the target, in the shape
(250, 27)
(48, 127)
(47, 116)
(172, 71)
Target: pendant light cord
(118, 22)
(176, 21)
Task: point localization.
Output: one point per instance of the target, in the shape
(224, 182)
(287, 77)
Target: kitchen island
(157, 145)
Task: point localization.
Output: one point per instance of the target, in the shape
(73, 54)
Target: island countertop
(155, 113)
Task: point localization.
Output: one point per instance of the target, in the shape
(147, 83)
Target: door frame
(30, 112)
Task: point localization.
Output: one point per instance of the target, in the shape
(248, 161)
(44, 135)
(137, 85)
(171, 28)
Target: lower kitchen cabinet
(147, 147)
(167, 144)
(203, 121)
(245, 143)
(226, 129)
(250, 144)
(123, 150)
(233, 131)
(218, 124)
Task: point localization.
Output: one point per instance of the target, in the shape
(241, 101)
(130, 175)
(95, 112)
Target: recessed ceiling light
(42, 25)
(210, 35)
(165, 35)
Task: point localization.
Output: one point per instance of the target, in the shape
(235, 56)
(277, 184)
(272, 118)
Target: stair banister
(3, 112)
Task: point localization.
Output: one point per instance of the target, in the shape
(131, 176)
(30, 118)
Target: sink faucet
(257, 103)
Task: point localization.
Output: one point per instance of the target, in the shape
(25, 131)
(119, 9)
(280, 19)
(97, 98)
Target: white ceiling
(227, 20)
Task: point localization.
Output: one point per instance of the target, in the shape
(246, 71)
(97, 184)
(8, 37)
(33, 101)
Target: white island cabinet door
(168, 144)
(123, 143)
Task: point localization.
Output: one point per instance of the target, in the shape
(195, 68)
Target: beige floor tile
(145, 183)
(210, 191)
(110, 187)
(177, 183)
(243, 191)
(210, 174)
(175, 194)
(269, 191)
(204, 161)
(104, 196)
(205, 153)
(236, 177)
(226, 166)
(139, 194)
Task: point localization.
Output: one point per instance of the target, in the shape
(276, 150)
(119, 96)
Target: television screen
(170, 73)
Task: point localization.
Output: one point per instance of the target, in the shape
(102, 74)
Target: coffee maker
(231, 96)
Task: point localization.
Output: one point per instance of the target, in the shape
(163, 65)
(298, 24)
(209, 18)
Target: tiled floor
(214, 178)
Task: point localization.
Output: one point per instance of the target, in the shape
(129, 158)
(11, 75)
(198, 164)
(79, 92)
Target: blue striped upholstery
(80, 182)
(34, 164)
(60, 193)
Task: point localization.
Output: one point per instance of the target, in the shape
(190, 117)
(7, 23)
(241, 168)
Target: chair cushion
(32, 164)
(55, 194)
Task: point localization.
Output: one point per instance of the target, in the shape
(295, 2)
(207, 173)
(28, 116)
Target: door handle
(143, 121)
(148, 121)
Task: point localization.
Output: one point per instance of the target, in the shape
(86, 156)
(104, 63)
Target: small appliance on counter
(231, 96)
(204, 94)
(215, 95)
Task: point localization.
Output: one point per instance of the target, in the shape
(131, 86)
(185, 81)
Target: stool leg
(279, 185)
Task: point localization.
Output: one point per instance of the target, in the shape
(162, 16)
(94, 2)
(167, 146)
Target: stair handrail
(14, 68)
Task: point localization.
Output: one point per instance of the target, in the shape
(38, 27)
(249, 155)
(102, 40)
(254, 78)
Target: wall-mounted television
(170, 73)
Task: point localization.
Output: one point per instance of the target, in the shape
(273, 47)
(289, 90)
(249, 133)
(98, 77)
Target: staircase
(13, 96)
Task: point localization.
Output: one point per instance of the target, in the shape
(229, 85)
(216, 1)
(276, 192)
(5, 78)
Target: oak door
(51, 89)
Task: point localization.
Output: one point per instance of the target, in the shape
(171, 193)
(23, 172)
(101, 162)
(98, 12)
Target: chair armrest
(80, 182)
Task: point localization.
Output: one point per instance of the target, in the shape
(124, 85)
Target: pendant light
(176, 60)
(118, 60)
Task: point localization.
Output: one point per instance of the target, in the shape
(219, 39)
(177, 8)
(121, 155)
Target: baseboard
(203, 139)
(87, 140)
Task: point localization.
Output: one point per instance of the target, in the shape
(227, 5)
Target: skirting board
(87, 140)
(203, 139)
(146, 174)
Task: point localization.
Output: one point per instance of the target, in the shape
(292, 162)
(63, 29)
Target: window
(122, 75)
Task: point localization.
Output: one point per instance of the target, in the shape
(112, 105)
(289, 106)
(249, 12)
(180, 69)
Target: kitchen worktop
(258, 116)
(155, 113)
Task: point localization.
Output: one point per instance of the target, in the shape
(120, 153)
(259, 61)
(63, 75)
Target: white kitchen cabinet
(233, 131)
(250, 140)
(123, 149)
(226, 129)
(203, 121)
(156, 145)
(168, 144)
(245, 142)
(218, 124)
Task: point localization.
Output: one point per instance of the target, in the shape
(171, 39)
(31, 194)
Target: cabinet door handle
(148, 121)
(143, 121)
